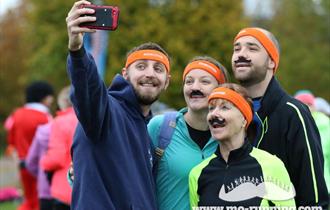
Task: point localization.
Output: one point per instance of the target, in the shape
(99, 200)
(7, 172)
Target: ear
(167, 81)
(48, 100)
(124, 72)
(271, 64)
(244, 123)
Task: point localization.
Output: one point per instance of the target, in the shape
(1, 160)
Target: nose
(242, 53)
(216, 112)
(149, 71)
(195, 85)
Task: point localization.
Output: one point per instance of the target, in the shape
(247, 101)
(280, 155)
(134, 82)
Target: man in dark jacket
(111, 149)
(284, 126)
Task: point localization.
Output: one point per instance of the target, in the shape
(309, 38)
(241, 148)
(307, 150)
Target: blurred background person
(322, 105)
(323, 124)
(56, 161)
(38, 149)
(22, 125)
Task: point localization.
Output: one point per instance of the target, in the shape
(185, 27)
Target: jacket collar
(37, 106)
(237, 154)
(122, 90)
(271, 98)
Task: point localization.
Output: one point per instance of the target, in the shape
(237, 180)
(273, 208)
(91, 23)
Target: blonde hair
(63, 98)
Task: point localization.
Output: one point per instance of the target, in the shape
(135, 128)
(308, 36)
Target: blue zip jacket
(111, 148)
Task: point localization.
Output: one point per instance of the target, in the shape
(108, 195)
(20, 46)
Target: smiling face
(148, 78)
(198, 84)
(250, 61)
(225, 120)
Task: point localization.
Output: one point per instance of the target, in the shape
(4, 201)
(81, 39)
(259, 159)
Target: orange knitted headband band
(154, 55)
(264, 40)
(236, 99)
(207, 66)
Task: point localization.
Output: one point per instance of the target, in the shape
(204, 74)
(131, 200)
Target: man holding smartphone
(111, 149)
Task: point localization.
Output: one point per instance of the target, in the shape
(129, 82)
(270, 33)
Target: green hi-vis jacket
(250, 177)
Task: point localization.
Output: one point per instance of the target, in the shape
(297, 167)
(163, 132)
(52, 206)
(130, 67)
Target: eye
(159, 69)
(140, 66)
(188, 81)
(225, 107)
(206, 82)
(211, 108)
(237, 48)
(254, 49)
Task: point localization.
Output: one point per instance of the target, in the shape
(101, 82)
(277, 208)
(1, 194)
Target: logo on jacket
(246, 188)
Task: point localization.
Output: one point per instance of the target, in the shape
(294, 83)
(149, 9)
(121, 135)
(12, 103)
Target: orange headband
(264, 40)
(154, 55)
(236, 99)
(207, 66)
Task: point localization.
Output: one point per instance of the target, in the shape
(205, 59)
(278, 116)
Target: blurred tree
(12, 66)
(12, 57)
(47, 40)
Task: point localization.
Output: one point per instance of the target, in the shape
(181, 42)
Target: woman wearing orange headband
(190, 141)
(237, 174)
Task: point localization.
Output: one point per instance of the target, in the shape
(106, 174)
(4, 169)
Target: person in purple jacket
(38, 149)
(111, 151)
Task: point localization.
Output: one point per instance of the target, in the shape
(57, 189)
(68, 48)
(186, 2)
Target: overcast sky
(5, 4)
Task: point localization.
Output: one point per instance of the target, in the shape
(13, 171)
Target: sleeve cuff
(78, 53)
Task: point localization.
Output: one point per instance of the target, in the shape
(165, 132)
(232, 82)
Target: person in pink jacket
(38, 149)
(57, 158)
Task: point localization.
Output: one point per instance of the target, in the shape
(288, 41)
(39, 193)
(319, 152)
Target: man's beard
(145, 99)
(255, 76)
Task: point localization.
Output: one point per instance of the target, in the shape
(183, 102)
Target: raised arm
(89, 93)
(73, 20)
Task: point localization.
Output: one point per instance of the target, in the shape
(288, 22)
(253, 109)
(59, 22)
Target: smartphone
(106, 17)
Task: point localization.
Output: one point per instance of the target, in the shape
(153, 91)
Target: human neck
(259, 89)
(197, 120)
(145, 110)
(227, 145)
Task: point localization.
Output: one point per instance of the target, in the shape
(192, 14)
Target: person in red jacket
(57, 159)
(23, 124)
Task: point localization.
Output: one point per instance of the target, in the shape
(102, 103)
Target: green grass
(9, 205)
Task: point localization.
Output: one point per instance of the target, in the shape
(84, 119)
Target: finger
(76, 14)
(77, 4)
(74, 26)
(77, 30)
(79, 20)
(77, 11)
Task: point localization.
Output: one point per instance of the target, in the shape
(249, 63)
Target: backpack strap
(166, 131)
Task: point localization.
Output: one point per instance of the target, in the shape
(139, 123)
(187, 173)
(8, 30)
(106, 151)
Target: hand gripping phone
(106, 17)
